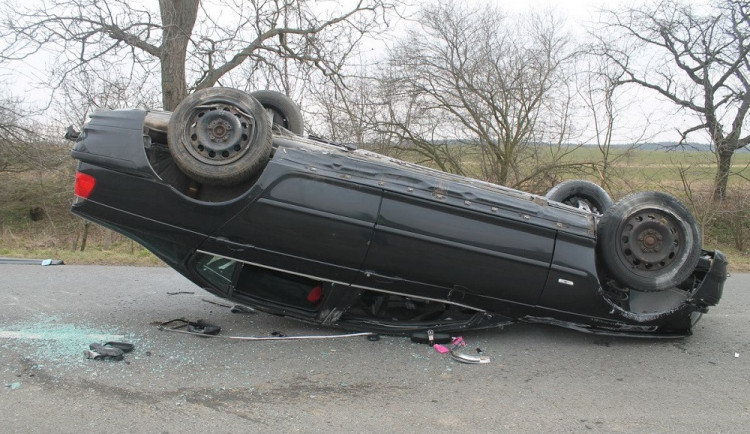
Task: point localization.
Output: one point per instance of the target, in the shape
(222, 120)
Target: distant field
(663, 166)
(631, 168)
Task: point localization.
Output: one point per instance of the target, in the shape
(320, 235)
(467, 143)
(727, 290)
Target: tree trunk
(724, 163)
(85, 235)
(178, 18)
(502, 175)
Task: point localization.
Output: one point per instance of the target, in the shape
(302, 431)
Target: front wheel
(282, 110)
(581, 194)
(219, 136)
(649, 241)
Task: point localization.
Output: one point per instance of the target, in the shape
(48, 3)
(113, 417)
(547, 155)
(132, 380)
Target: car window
(217, 270)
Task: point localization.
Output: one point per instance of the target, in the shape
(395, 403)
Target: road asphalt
(540, 378)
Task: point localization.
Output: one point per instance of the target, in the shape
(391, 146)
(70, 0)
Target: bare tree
(602, 119)
(346, 113)
(471, 80)
(14, 133)
(697, 58)
(83, 92)
(192, 45)
(597, 91)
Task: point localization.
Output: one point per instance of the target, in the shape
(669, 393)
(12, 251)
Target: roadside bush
(733, 218)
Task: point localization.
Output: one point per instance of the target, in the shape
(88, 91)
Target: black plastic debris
(203, 328)
(108, 350)
(124, 346)
(181, 292)
(430, 338)
(199, 327)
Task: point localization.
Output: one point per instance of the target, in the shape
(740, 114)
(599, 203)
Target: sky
(661, 117)
(647, 116)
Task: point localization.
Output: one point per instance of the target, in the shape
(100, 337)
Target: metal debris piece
(467, 358)
(200, 327)
(218, 304)
(24, 261)
(456, 343)
(180, 292)
(238, 308)
(281, 337)
(90, 354)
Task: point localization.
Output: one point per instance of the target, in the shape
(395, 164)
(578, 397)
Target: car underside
(331, 235)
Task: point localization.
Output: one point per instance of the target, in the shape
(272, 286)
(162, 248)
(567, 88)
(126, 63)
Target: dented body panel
(359, 240)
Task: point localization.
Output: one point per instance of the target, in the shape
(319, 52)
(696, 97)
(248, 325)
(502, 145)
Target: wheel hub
(218, 130)
(650, 240)
(219, 134)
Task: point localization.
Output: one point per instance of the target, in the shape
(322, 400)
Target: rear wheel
(282, 110)
(581, 194)
(649, 241)
(219, 136)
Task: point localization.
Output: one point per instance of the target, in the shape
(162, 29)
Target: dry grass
(103, 247)
(58, 233)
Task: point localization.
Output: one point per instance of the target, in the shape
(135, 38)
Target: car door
(304, 224)
(442, 251)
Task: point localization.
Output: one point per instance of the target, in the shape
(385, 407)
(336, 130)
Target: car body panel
(327, 220)
(457, 248)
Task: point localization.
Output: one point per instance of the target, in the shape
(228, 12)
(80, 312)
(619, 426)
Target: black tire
(649, 241)
(581, 194)
(219, 136)
(284, 112)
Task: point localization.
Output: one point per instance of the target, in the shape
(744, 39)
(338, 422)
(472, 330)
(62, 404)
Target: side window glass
(217, 270)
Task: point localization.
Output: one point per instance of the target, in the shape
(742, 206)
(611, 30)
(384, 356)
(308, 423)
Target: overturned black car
(228, 192)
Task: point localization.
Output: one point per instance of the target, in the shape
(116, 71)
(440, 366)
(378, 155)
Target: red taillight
(84, 185)
(315, 295)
